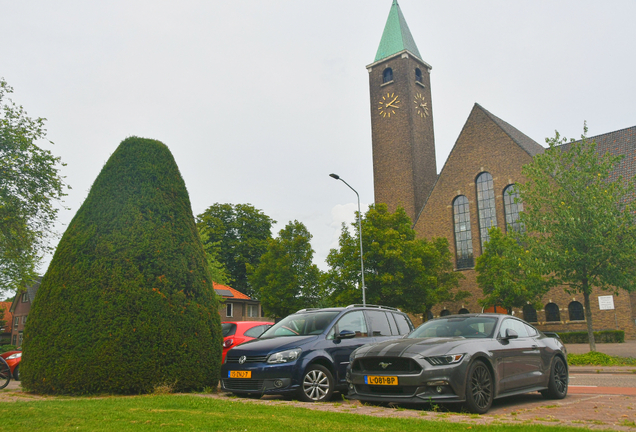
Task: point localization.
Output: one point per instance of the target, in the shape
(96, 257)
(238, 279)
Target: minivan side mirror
(346, 334)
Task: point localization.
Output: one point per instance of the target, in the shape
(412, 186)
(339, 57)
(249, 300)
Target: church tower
(404, 167)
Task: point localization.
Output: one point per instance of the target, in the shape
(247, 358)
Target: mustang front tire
(479, 388)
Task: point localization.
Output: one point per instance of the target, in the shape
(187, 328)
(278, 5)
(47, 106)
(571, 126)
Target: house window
(552, 312)
(252, 311)
(229, 310)
(387, 75)
(24, 319)
(21, 338)
(25, 298)
(15, 340)
(512, 208)
(463, 236)
(16, 322)
(529, 313)
(575, 310)
(418, 75)
(486, 206)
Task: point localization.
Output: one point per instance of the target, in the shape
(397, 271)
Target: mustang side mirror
(511, 334)
(346, 334)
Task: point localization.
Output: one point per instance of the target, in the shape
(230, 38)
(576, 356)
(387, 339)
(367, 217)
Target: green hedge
(127, 304)
(5, 348)
(603, 336)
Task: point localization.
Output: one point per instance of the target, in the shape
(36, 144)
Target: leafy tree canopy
(30, 186)
(127, 303)
(217, 271)
(238, 235)
(507, 274)
(286, 278)
(580, 219)
(400, 270)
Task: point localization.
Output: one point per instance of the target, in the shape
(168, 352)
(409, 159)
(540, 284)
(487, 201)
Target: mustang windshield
(468, 327)
(301, 324)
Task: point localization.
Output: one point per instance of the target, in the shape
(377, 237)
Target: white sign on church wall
(606, 302)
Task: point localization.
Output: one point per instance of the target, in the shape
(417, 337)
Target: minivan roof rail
(307, 309)
(374, 306)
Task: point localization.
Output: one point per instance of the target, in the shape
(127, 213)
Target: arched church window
(486, 205)
(575, 310)
(387, 75)
(445, 312)
(418, 75)
(552, 312)
(463, 311)
(512, 208)
(529, 313)
(463, 236)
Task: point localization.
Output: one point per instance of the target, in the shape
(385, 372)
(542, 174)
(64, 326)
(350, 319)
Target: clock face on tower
(388, 105)
(421, 106)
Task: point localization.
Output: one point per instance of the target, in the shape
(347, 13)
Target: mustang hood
(411, 347)
(269, 345)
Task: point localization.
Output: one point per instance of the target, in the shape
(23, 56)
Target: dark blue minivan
(306, 354)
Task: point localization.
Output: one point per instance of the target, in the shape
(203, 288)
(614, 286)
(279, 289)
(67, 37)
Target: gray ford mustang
(472, 358)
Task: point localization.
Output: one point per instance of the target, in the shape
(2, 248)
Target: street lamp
(364, 297)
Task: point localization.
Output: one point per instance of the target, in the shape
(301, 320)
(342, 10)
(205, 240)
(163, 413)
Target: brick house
(470, 194)
(20, 308)
(236, 306)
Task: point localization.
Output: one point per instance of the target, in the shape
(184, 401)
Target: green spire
(397, 36)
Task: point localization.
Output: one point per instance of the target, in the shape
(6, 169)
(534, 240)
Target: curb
(627, 370)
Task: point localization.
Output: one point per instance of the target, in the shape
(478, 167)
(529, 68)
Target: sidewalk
(625, 349)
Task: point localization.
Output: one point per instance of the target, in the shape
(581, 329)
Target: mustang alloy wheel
(479, 388)
(317, 384)
(558, 383)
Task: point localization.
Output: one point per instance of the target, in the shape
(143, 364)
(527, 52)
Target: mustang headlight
(445, 360)
(284, 356)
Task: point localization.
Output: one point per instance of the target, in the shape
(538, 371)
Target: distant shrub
(603, 336)
(595, 358)
(127, 304)
(5, 348)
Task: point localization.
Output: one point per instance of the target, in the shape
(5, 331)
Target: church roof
(396, 36)
(531, 147)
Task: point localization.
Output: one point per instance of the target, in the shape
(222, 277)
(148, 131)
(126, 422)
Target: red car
(237, 332)
(13, 360)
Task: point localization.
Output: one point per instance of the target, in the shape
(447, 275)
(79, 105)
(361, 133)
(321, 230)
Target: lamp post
(364, 297)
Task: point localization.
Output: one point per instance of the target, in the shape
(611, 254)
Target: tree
(580, 218)
(286, 278)
(127, 303)
(400, 270)
(30, 185)
(508, 276)
(238, 234)
(218, 273)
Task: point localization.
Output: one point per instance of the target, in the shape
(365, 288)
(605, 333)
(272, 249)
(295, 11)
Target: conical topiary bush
(127, 304)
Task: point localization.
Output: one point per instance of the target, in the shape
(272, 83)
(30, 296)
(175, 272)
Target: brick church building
(471, 192)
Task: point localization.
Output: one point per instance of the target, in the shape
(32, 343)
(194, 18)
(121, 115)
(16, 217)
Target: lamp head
(336, 176)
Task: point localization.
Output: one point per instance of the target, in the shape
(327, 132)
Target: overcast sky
(260, 100)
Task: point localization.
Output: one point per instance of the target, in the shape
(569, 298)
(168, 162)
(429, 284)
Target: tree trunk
(588, 319)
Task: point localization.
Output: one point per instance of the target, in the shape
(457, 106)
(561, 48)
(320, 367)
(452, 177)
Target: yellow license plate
(381, 380)
(239, 374)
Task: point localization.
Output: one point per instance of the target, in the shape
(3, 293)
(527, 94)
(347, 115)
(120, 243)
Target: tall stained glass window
(463, 236)
(512, 208)
(486, 206)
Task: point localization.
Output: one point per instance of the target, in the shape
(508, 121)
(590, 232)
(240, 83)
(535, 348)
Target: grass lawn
(187, 412)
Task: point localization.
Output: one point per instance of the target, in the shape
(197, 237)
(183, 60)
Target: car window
(468, 327)
(531, 330)
(301, 324)
(353, 321)
(379, 323)
(402, 323)
(228, 329)
(515, 325)
(257, 331)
